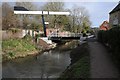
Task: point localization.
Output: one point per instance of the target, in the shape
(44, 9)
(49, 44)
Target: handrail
(65, 35)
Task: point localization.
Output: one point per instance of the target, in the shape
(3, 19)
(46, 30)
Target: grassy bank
(80, 64)
(13, 48)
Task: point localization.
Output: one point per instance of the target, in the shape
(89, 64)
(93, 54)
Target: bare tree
(54, 6)
(8, 18)
(26, 18)
(27, 5)
(80, 17)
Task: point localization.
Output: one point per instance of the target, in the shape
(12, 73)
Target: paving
(101, 63)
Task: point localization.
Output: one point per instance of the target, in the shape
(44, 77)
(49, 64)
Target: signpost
(22, 10)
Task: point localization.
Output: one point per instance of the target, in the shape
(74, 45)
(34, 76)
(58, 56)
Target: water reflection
(47, 65)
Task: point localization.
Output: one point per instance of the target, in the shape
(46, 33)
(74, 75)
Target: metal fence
(65, 35)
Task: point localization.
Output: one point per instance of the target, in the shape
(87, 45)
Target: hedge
(111, 38)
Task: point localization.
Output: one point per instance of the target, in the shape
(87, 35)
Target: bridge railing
(65, 35)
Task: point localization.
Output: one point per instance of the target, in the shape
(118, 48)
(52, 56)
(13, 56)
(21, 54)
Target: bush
(11, 54)
(112, 39)
(100, 35)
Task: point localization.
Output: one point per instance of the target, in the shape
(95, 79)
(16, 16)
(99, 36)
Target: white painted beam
(27, 12)
(42, 12)
(59, 13)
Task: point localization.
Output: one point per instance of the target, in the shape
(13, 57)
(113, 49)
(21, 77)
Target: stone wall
(43, 44)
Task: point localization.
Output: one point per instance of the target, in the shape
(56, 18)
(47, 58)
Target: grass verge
(80, 64)
(13, 48)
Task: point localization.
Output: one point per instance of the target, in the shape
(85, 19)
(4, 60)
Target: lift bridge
(66, 36)
(53, 37)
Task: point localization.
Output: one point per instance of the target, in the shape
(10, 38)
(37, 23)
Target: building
(114, 18)
(51, 31)
(56, 32)
(104, 26)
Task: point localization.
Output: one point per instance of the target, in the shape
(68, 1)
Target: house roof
(117, 8)
(105, 22)
(103, 27)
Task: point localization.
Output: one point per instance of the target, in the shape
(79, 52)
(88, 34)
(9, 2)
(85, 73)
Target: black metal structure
(20, 8)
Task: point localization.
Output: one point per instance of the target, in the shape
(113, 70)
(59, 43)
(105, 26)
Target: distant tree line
(78, 21)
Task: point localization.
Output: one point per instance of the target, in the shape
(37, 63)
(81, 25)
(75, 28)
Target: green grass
(80, 68)
(16, 47)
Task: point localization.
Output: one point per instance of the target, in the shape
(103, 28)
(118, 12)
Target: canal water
(46, 65)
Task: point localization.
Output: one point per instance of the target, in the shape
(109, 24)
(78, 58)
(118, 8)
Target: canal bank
(15, 48)
(49, 64)
(80, 64)
(20, 48)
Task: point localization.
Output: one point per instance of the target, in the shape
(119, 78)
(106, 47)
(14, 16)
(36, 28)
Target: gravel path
(101, 64)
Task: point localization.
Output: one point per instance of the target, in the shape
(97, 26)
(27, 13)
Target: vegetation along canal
(48, 64)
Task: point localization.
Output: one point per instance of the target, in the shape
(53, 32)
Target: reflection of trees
(50, 64)
(44, 68)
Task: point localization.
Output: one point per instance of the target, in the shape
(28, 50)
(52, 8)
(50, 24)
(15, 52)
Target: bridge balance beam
(64, 38)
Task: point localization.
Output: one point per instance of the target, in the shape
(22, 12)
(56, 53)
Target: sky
(98, 9)
(59, 0)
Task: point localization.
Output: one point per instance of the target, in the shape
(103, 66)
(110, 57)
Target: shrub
(112, 38)
(11, 54)
(100, 35)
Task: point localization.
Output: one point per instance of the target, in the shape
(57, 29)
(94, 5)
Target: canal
(48, 64)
